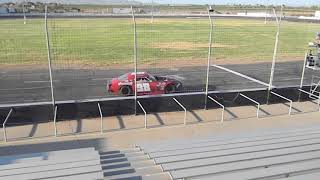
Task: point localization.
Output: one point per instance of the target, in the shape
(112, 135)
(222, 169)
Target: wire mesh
(23, 61)
(175, 49)
(294, 39)
(88, 53)
(245, 46)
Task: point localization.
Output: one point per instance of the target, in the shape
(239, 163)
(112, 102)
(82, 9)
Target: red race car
(147, 84)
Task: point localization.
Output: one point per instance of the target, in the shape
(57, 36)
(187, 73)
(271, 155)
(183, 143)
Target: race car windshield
(123, 77)
(152, 78)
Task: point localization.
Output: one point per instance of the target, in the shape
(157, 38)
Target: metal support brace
(4, 125)
(185, 111)
(314, 84)
(222, 106)
(316, 97)
(101, 118)
(55, 121)
(291, 102)
(145, 115)
(209, 57)
(252, 101)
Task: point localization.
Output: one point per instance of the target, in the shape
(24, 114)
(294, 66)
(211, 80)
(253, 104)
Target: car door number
(143, 87)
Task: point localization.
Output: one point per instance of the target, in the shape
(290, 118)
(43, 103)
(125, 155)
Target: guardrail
(312, 95)
(252, 101)
(291, 102)
(222, 106)
(145, 115)
(185, 111)
(4, 125)
(101, 118)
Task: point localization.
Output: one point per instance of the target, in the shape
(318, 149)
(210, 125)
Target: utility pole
(152, 9)
(24, 13)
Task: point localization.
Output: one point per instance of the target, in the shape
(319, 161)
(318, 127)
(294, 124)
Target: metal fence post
(4, 125)
(275, 51)
(303, 74)
(55, 121)
(135, 58)
(152, 13)
(209, 59)
(24, 13)
(49, 55)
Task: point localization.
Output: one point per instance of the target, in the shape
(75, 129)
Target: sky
(286, 2)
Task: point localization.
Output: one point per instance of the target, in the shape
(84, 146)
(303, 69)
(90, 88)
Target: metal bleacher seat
(286, 154)
(79, 164)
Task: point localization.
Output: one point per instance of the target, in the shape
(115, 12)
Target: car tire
(170, 89)
(125, 90)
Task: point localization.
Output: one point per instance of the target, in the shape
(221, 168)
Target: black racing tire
(125, 91)
(171, 88)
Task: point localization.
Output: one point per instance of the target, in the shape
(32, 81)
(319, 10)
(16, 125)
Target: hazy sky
(287, 2)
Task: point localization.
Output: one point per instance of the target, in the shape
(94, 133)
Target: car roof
(139, 75)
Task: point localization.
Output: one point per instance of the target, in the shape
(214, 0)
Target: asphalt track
(26, 86)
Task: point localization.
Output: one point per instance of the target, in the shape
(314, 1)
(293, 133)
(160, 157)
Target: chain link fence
(87, 53)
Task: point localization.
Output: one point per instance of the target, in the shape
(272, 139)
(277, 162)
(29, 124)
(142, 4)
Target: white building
(12, 10)
(254, 14)
(317, 14)
(121, 10)
(4, 10)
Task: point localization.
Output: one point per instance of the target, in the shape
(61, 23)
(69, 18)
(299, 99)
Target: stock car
(147, 84)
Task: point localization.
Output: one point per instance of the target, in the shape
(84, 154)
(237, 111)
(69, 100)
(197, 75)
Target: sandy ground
(174, 63)
(123, 132)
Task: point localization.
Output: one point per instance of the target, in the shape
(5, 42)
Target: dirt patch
(161, 63)
(189, 45)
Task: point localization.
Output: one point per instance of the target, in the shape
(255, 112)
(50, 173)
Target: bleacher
(286, 155)
(80, 164)
(291, 154)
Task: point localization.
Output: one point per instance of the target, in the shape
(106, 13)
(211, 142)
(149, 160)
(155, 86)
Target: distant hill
(104, 2)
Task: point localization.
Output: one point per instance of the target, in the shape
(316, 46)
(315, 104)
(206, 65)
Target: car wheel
(125, 90)
(170, 89)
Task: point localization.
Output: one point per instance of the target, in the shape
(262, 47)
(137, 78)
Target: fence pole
(55, 121)
(302, 75)
(209, 59)
(275, 51)
(24, 13)
(152, 9)
(135, 58)
(49, 55)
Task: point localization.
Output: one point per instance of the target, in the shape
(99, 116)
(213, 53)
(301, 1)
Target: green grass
(110, 41)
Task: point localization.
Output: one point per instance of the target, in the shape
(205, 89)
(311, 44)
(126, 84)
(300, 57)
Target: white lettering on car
(143, 87)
